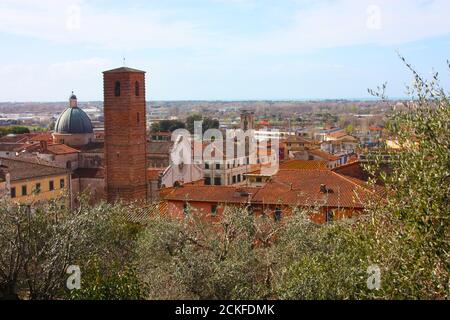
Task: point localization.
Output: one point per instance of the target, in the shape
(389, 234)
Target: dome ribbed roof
(73, 121)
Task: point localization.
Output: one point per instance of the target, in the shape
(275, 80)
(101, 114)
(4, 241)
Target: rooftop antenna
(124, 62)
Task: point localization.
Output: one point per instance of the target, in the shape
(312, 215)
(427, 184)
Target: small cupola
(73, 101)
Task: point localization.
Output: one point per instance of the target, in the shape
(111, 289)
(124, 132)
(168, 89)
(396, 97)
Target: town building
(125, 135)
(323, 194)
(28, 182)
(73, 127)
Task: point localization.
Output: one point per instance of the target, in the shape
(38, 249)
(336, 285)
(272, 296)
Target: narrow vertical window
(278, 214)
(117, 89)
(136, 89)
(138, 118)
(214, 211)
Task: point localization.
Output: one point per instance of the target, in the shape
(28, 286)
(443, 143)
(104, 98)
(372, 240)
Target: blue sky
(220, 49)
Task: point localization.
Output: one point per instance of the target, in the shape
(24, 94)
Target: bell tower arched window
(117, 89)
(136, 89)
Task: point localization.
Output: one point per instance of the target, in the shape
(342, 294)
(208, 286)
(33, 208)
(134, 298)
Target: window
(13, 193)
(186, 209)
(68, 165)
(24, 190)
(234, 179)
(258, 179)
(329, 216)
(138, 118)
(214, 210)
(62, 183)
(117, 89)
(278, 214)
(51, 185)
(136, 89)
(218, 166)
(239, 178)
(37, 189)
(207, 181)
(206, 165)
(217, 181)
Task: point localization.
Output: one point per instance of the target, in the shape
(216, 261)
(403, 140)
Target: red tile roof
(61, 149)
(303, 165)
(337, 134)
(303, 188)
(56, 149)
(14, 138)
(323, 154)
(21, 169)
(12, 147)
(44, 136)
(143, 215)
(214, 194)
(297, 139)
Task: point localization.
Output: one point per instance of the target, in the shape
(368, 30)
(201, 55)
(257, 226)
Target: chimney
(323, 188)
(44, 145)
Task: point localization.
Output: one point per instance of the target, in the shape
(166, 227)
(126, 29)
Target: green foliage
(195, 259)
(13, 130)
(117, 283)
(208, 123)
(167, 126)
(350, 129)
(417, 209)
(38, 244)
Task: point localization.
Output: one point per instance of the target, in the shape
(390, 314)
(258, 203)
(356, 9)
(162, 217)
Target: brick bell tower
(125, 134)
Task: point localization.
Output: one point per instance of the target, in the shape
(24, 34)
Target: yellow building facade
(39, 189)
(29, 183)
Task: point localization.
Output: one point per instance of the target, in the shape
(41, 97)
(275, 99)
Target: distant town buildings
(282, 164)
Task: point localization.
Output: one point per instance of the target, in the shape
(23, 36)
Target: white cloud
(54, 82)
(78, 22)
(315, 25)
(342, 23)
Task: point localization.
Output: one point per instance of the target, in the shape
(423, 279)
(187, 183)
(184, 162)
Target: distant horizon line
(235, 100)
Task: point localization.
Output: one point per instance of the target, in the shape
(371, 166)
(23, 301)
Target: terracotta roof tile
(303, 188)
(303, 165)
(28, 169)
(44, 136)
(14, 138)
(215, 194)
(323, 154)
(61, 149)
(12, 147)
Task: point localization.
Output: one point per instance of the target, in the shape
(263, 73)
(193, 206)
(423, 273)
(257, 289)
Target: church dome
(73, 120)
